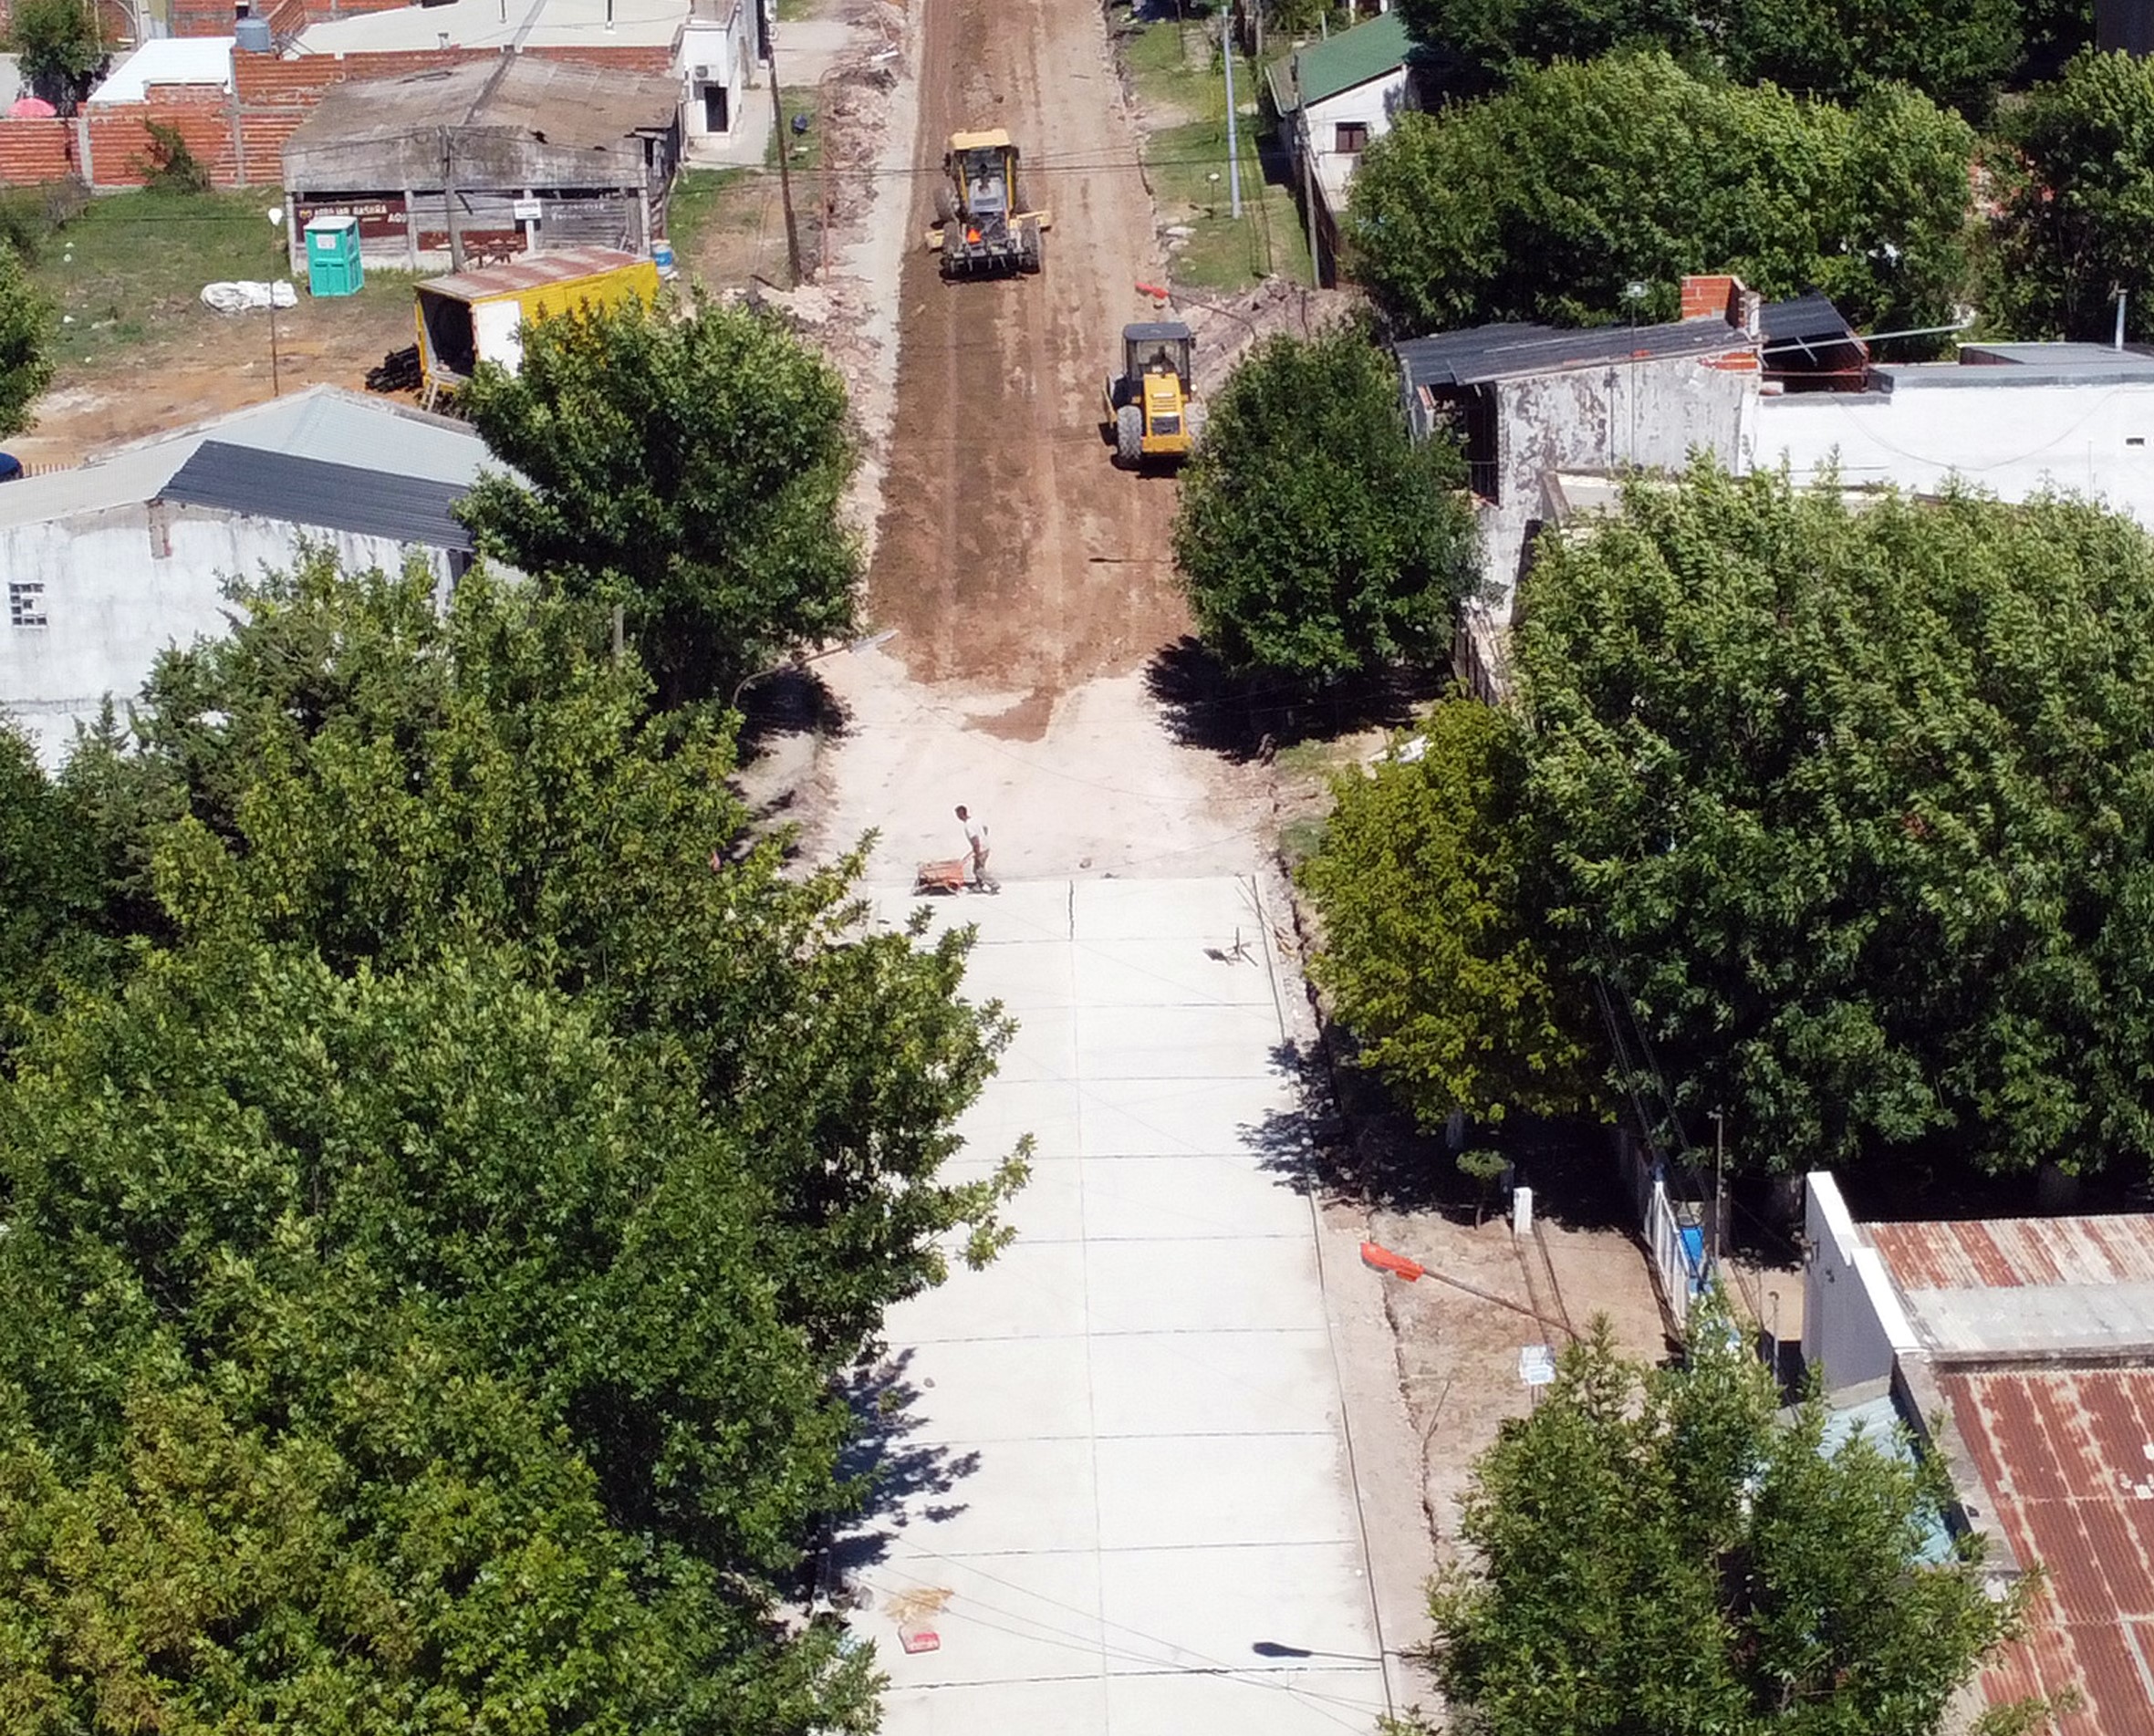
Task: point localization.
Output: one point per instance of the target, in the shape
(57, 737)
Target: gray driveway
(1141, 1516)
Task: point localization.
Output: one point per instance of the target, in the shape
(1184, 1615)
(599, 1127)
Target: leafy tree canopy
(1958, 53)
(391, 1354)
(26, 364)
(1847, 805)
(461, 1163)
(56, 42)
(1655, 1551)
(1315, 537)
(1547, 201)
(2076, 175)
(687, 470)
(1427, 957)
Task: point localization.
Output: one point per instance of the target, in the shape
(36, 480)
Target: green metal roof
(1351, 58)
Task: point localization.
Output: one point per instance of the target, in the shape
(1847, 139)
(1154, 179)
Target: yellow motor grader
(980, 224)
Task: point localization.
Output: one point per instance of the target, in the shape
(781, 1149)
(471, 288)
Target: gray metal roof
(322, 423)
(1510, 351)
(559, 102)
(322, 496)
(2067, 364)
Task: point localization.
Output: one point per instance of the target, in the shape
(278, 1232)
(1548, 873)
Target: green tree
(1960, 54)
(1849, 802)
(26, 367)
(1547, 201)
(1655, 1550)
(393, 1353)
(2076, 175)
(1315, 537)
(57, 44)
(687, 470)
(377, 780)
(1429, 955)
(1959, 51)
(1497, 40)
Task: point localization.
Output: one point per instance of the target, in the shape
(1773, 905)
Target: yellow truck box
(477, 316)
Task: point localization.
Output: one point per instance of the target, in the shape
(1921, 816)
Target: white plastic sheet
(241, 298)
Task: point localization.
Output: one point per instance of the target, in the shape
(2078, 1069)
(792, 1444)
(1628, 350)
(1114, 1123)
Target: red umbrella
(27, 107)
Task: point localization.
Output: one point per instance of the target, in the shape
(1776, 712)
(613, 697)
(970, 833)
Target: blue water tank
(251, 35)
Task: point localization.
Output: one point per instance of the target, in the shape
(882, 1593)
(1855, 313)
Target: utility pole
(777, 110)
(1719, 1158)
(449, 200)
(1233, 137)
(1308, 179)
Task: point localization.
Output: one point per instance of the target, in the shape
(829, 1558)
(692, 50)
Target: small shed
(473, 164)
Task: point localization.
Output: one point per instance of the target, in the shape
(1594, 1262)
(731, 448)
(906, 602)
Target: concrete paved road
(1124, 1500)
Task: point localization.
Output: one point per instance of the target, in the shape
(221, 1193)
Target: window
(1350, 138)
(26, 603)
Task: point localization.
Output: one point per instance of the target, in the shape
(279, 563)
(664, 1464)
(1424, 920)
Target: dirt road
(1010, 551)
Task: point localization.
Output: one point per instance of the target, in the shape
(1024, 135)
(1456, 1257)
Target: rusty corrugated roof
(2004, 1252)
(531, 272)
(2067, 1458)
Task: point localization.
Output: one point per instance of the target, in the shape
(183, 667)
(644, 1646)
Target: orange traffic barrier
(1383, 1260)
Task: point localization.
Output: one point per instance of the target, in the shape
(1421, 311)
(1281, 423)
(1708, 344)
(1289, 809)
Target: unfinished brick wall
(35, 149)
(120, 136)
(656, 58)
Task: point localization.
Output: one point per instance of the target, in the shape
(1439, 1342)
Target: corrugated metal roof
(305, 491)
(559, 102)
(167, 60)
(1351, 58)
(1507, 351)
(488, 23)
(531, 272)
(321, 423)
(2000, 1252)
(2067, 1458)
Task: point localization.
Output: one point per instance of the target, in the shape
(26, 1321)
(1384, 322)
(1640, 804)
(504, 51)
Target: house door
(715, 118)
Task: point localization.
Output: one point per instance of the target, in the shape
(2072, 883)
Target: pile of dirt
(1227, 327)
(855, 103)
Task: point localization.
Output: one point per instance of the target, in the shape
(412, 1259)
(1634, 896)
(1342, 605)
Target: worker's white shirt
(976, 833)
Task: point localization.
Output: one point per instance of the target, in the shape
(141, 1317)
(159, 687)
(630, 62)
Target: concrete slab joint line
(1128, 1462)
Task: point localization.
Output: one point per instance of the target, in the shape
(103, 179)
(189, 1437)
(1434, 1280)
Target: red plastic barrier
(1152, 289)
(1383, 1260)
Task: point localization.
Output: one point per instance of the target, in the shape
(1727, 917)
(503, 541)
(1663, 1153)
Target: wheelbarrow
(942, 877)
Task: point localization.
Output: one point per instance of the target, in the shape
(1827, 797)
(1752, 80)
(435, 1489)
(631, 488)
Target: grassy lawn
(132, 264)
(1222, 253)
(808, 150)
(697, 199)
(1176, 76)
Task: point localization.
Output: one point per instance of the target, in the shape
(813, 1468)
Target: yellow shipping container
(477, 316)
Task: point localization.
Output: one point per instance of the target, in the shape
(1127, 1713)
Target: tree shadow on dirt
(1244, 717)
(1346, 1139)
(788, 702)
(902, 1477)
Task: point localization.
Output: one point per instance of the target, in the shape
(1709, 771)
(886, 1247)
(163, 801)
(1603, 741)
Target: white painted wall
(112, 604)
(1376, 105)
(1854, 1327)
(725, 48)
(2011, 440)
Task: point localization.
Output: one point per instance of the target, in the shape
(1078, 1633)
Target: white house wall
(2011, 440)
(1375, 104)
(1652, 413)
(111, 604)
(1854, 1326)
(725, 48)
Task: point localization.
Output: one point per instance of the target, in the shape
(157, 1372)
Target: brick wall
(240, 138)
(35, 149)
(626, 59)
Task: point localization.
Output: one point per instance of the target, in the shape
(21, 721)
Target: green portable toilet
(333, 264)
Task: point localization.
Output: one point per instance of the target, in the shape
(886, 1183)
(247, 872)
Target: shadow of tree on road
(1250, 716)
(899, 1477)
